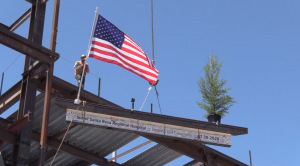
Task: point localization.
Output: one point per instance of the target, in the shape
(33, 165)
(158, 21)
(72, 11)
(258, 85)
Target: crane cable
(152, 29)
(83, 103)
(152, 32)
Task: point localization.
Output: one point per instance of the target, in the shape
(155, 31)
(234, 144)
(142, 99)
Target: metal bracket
(36, 70)
(30, 116)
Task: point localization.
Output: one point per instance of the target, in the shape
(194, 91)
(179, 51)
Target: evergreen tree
(215, 98)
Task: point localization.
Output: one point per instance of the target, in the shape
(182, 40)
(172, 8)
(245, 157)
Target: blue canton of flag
(107, 31)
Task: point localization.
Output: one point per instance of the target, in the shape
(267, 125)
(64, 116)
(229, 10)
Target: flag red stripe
(140, 48)
(114, 56)
(126, 50)
(133, 47)
(137, 62)
(121, 65)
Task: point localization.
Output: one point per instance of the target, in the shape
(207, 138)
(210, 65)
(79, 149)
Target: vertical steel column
(29, 86)
(250, 157)
(44, 129)
(23, 86)
(1, 160)
(99, 86)
(1, 83)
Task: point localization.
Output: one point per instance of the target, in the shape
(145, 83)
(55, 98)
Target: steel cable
(64, 137)
(11, 63)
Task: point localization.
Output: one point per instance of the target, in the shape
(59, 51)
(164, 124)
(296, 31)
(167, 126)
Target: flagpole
(77, 101)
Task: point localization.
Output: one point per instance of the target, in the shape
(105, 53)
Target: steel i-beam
(29, 86)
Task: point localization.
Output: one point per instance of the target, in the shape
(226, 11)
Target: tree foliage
(215, 98)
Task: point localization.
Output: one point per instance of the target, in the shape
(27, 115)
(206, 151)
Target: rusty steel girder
(26, 47)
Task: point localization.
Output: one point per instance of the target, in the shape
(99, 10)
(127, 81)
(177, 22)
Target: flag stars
(108, 32)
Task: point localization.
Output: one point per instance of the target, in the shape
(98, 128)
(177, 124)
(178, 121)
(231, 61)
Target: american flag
(109, 44)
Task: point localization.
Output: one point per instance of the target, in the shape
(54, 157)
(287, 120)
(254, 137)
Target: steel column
(1, 83)
(54, 25)
(99, 86)
(44, 129)
(23, 85)
(250, 157)
(48, 155)
(29, 87)
(1, 160)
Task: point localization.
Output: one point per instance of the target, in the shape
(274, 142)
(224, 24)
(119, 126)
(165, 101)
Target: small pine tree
(215, 99)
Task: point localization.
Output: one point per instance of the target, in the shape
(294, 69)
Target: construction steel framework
(38, 76)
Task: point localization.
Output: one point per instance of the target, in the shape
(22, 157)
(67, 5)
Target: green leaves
(215, 98)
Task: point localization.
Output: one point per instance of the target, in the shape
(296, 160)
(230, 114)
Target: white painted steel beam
(148, 127)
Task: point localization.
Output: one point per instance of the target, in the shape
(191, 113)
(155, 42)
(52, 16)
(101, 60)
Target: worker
(79, 68)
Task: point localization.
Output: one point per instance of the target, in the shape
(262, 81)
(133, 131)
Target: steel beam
(7, 136)
(4, 26)
(194, 163)
(73, 150)
(130, 150)
(15, 126)
(82, 163)
(20, 20)
(26, 47)
(33, 1)
(4, 122)
(60, 88)
(67, 148)
(10, 97)
(195, 151)
(127, 113)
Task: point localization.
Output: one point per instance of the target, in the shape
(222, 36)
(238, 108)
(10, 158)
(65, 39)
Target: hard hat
(83, 56)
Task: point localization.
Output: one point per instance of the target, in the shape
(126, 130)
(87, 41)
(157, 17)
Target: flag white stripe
(124, 59)
(132, 42)
(122, 51)
(134, 50)
(124, 65)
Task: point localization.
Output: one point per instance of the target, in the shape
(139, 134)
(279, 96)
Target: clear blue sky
(258, 40)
